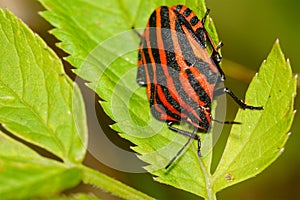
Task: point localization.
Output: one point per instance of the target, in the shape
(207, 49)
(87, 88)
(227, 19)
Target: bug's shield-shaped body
(176, 68)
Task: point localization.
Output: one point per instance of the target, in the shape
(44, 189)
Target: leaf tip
(277, 41)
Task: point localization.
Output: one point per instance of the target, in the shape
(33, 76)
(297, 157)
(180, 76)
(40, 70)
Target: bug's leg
(205, 16)
(236, 99)
(186, 133)
(178, 153)
(222, 74)
(216, 57)
(215, 53)
(214, 47)
(220, 45)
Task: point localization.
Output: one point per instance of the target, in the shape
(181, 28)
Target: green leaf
(74, 197)
(103, 48)
(41, 105)
(38, 102)
(255, 144)
(24, 173)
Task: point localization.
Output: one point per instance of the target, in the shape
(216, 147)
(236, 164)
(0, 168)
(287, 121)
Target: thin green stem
(210, 194)
(116, 188)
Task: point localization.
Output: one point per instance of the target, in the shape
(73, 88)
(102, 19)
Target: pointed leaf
(38, 102)
(255, 144)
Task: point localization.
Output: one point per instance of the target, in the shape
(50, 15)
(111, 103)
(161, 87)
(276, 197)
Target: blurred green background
(248, 30)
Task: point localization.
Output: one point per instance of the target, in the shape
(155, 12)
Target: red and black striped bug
(179, 73)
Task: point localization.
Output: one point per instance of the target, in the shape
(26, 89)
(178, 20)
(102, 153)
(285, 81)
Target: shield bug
(179, 74)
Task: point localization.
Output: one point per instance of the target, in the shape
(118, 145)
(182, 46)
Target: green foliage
(255, 144)
(30, 75)
(74, 197)
(25, 171)
(40, 105)
(36, 105)
(114, 82)
(109, 65)
(102, 47)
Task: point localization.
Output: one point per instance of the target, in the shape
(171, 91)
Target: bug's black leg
(222, 74)
(205, 16)
(178, 153)
(215, 56)
(236, 99)
(220, 45)
(186, 133)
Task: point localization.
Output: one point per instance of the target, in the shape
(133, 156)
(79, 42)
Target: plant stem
(210, 194)
(116, 188)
